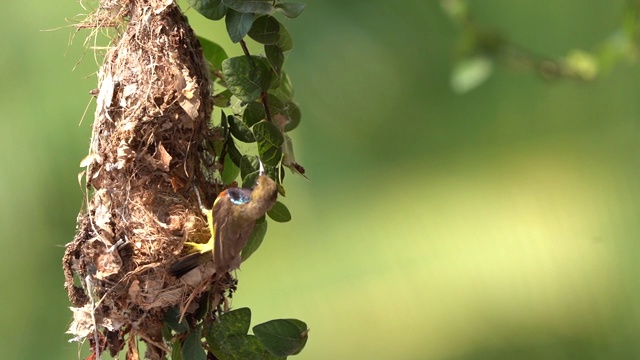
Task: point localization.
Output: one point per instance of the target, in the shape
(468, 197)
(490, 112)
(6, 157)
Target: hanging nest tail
(145, 159)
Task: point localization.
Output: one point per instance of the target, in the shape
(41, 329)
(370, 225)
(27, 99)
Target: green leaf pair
(217, 9)
(240, 14)
(228, 338)
(249, 78)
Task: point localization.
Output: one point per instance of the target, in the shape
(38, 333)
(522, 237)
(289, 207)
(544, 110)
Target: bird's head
(265, 192)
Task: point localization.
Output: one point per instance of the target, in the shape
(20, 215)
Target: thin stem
(245, 49)
(265, 102)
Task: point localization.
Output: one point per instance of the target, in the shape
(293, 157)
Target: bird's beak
(262, 171)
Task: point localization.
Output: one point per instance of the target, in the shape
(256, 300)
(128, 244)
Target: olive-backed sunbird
(231, 221)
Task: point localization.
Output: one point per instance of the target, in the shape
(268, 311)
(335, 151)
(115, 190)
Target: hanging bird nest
(146, 158)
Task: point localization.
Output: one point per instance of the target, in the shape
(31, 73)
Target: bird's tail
(189, 262)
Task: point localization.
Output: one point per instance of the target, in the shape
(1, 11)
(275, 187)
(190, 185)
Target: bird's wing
(231, 235)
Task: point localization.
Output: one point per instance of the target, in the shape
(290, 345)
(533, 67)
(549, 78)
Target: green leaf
(457, 10)
(235, 322)
(167, 335)
(290, 10)
(204, 309)
(250, 180)
(269, 140)
(213, 52)
(221, 336)
(243, 347)
(276, 59)
(223, 121)
(250, 348)
(222, 99)
(286, 42)
(240, 130)
(176, 350)
(285, 90)
(276, 106)
(470, 73)
(611, 51)
(172, 317)
(253, 113)
(246, 77)
(211, 9)
(230, 170)
(582, 64)
(234, 154)
(282, 337)
(265, 30)
(279, 213)
(238, 24)
(192, 347)
(294, 116)
(303, 332)
(255, 240)
(249, 165)
(262, 7)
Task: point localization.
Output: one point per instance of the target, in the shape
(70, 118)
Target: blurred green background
(499, 224)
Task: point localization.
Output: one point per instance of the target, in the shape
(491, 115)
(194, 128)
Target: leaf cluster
(255, 96)
(255, 89)
(228, 339)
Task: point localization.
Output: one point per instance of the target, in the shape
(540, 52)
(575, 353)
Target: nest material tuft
(145, 159)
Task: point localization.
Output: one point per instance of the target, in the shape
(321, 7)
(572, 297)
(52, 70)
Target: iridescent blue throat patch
(239, 196)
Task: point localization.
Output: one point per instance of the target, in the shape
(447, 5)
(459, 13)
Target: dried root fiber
(145, 160)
